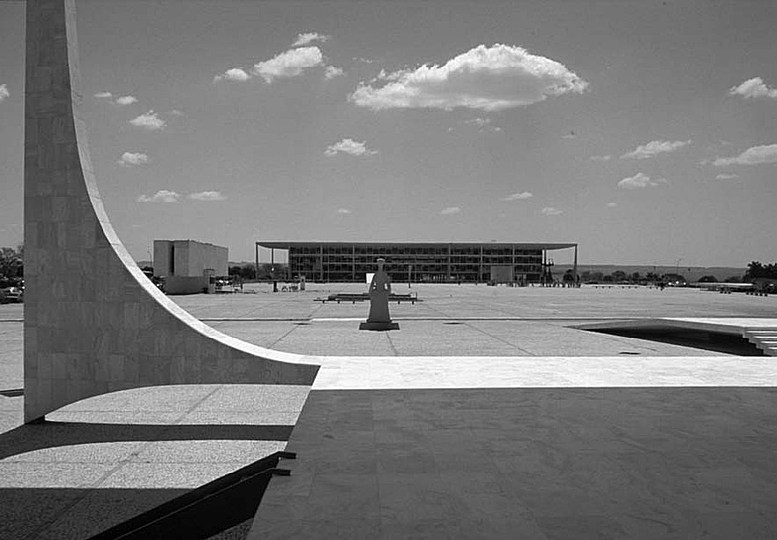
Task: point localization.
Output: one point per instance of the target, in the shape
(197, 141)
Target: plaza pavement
(506, 423)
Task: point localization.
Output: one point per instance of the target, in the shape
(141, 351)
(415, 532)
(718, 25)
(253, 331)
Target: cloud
(233, 74)
(753, 88)
(288, 64)
(126, 100)
(653, 148)
(726, 176)
(612, 204)
(601, 158)
(149, 120)
(483, 124)
(4, 93)
(309, 37)
(349, 146)
(128, 159)
(550, 211)
(450, 210)
(639, 181)
(570, 135)
(518, 196)
(176, 112)
(103, 95)
(207, 196)
(756, 155)
(161, 196)
(330, 72)
(484, 78)
(343, 211)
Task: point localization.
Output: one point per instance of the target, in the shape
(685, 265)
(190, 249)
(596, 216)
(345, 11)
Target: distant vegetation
(757, 270)
(11, 266)
(267, 271)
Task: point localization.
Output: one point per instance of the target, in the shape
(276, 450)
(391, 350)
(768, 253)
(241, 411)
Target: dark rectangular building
(419, 262)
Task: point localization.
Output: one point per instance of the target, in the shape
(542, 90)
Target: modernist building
(187, 266)
(418, 262)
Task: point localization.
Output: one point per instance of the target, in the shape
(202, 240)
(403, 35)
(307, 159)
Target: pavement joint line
(144, 444)
(277, 341)
(513, 345)
(391, 344)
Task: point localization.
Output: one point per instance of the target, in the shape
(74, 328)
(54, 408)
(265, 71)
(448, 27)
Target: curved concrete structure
(93, 323)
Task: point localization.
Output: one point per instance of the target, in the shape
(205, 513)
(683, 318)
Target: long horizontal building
(418, 262)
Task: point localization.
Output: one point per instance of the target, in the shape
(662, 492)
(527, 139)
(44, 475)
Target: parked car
(11, 295)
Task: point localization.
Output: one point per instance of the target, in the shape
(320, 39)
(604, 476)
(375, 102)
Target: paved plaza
(489, 414)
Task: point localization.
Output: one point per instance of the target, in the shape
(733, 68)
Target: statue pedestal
(379, 326)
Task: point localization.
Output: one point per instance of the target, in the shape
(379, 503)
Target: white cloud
(518, 196)
(570, 135)
(4, 93)
(161, 196)
(309, 37)
(233, 74)
(601, 158)
(207, 196)
(176, 112)
(550, 211)
(343, 211)
(485, 78)
(149, 120)
(639, 181)
(483, 124)
(726, 176)
(349, 146)
(653, 148)
(756, 155)
(289, 64)
(612, 204)
(128, 159)
(103, 95)
(126, 100)
(753, 88)
(330, 72)
(450, 210)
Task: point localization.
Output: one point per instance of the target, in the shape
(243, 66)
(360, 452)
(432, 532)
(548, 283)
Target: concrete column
(93, 323)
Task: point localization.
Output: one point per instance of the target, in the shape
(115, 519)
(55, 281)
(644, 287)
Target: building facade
(187, 266)
(416, 262)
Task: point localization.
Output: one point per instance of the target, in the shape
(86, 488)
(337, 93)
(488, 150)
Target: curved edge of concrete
(93, 322)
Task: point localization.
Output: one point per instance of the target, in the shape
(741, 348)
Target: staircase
(766, 340)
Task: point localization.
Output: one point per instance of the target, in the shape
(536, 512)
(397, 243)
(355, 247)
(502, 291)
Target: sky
(644, 131)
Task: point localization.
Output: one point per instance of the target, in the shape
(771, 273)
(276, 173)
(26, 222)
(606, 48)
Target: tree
(569, 276)
(635, 277)
(619, 275)
(246, 271)
(708, 279)
(11, 266)
(757, 270)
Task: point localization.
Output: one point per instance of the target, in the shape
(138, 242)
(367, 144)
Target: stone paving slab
(529, 463)
(102, 460)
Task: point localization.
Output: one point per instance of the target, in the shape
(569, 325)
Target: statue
(379, 291)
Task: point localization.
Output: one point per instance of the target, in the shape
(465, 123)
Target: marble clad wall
(93, 323)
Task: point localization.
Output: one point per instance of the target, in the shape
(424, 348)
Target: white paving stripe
(395, 373)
